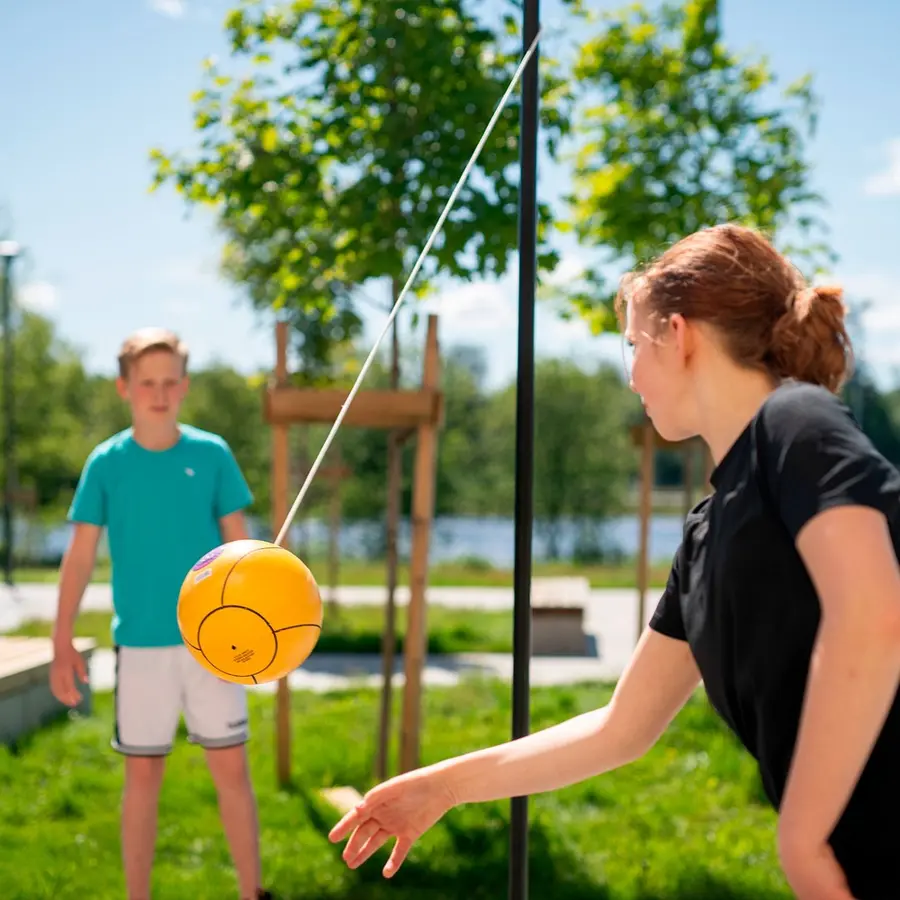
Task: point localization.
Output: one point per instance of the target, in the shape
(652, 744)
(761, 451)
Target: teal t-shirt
(161, 511)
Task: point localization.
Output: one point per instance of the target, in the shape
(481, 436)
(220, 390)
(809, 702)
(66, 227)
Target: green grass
(355, 629)
(455, 574)
(684, 823)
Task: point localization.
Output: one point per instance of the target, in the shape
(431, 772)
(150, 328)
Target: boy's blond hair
(146, 340)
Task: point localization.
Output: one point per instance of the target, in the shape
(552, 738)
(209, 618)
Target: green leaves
(679, 134)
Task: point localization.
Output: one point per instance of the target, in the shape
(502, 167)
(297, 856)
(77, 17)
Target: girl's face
(658, 371)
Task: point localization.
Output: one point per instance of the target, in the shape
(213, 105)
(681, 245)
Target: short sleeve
(667, 618)
(89, 505)
(233, 493)
(816, 457)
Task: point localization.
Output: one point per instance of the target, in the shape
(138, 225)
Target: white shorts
(156, 685)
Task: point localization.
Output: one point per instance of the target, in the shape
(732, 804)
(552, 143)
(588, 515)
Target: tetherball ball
(250, 611)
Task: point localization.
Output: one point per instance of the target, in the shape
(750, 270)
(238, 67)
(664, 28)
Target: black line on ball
(233, 567)
(248, 609)
(302, 625)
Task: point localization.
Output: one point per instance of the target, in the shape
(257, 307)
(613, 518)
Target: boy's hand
(66, 671)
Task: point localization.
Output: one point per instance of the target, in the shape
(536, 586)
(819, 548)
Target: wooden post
(392, 565)
(280, 478)
(646, 511)
(690, 463)
(334, 475)
(710, 466)
(422, 510)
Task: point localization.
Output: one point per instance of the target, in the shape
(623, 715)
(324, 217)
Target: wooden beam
(659, 442)
(369, 409)
(646, 511)
(280, 487)
(709, 467)
(343, 798)
(422, 511)
(690, 463)
(334, 474)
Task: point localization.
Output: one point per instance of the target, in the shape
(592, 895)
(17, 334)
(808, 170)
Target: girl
(783, 598)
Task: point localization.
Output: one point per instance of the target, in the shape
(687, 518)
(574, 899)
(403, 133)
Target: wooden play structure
(648, 439)
(26, 701)
(416, 413)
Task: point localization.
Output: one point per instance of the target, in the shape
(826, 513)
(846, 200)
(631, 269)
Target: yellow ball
(250, 611)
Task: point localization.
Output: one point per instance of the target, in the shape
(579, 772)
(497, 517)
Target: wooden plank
(561, 593)
(26, 659)
(343, 799)
(646, 511)
(280, 506)
(369, 409)
(422, 512)
(659, 442)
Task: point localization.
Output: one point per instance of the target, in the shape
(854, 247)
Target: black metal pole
(8, 445)
(524, 472)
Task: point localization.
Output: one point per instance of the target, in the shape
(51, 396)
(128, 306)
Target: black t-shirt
(741, 596)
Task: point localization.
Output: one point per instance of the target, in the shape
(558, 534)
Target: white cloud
(486, 314)
(886, 183)
(38, 297)
(879, 292)
(570, 268)
(474, 308)
(174, 9)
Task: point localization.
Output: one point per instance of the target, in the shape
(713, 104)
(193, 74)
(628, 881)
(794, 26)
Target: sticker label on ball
(208, 558)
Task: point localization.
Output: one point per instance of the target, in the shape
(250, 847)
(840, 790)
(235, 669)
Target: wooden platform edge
(343, 798)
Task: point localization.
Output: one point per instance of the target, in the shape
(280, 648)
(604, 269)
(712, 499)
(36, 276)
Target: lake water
(492, 539)
(488, 539)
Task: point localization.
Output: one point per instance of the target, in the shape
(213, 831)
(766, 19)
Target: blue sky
(91, 86)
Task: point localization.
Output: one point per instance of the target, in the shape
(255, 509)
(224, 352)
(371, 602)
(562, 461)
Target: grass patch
(450, 574)
(354, 629)
(684, 823)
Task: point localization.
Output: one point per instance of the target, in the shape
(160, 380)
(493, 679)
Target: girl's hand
(404, 807)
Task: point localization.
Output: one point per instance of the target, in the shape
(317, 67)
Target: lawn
(450, 574)
(356, 629)
(684, 823)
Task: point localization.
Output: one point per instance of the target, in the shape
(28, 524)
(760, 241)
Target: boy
(166, 493)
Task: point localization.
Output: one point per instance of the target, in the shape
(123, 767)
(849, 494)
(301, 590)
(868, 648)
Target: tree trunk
(394, 486)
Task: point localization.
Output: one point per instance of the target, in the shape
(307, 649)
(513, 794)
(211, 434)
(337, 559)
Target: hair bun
(809, 341)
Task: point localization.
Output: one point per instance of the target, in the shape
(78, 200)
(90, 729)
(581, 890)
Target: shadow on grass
(475, 866)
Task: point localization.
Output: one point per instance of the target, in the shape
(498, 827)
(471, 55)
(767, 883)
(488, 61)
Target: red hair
(769, 318)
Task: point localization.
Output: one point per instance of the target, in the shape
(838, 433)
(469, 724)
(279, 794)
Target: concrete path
(610, 622)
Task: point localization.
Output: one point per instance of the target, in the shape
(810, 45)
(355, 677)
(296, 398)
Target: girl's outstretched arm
(658, 681)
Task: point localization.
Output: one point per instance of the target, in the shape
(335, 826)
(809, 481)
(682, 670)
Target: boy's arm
(233, 497)
(68, 667)
(233, 527)
(74, 575)
(88, 515)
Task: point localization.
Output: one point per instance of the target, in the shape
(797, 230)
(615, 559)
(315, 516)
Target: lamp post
(9, 250)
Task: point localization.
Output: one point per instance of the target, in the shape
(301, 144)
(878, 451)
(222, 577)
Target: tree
(680, 134)
(52, 402)
(329, 164)
(582, 457)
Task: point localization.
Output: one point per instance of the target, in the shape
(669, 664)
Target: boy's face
(155, 387)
